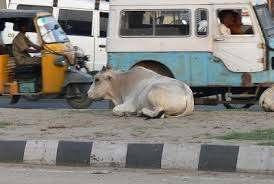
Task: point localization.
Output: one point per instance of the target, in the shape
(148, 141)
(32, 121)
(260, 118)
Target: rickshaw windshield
(51, 31)
(265, 19)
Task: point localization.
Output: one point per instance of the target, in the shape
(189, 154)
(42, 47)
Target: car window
(32, 7)
(103, 24)
(76, 22)
(202, 25)
(156, 23)
(235, 22)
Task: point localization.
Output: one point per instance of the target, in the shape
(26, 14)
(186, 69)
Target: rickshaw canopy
(15, 16)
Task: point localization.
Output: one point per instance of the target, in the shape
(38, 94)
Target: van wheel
(77, 96)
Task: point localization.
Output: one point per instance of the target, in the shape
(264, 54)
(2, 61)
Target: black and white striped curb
(144, 156)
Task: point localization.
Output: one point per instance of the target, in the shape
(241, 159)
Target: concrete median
(194, 157)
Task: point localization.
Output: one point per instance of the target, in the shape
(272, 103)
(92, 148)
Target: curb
(194, 157)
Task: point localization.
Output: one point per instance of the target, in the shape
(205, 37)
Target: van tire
(77, 96)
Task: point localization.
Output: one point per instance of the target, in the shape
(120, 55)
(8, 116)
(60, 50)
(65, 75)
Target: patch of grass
(4, 124)
(256, 135)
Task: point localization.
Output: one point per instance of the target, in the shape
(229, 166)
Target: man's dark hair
(222, 14)
(22, 23)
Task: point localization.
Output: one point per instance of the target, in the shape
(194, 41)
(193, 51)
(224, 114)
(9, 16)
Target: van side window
(32, 7)
(76, 22)
(201, 16)
(156, 23)
(103, 24)
(234, 22)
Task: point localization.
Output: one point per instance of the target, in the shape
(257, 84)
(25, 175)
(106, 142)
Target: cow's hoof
(267, 100)
(117, 112)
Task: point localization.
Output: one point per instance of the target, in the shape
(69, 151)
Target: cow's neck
(120, 87)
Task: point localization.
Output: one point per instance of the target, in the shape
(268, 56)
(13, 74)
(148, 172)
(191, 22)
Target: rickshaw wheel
(237, 106)
(80, 100)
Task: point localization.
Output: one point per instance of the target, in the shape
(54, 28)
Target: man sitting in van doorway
(227, 20)
(22, 46)
(236, 28)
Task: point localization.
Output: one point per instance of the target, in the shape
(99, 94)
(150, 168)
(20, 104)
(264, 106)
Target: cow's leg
(124, 109)
(156, 112)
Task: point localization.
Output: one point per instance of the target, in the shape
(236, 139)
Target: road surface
(20, 174)
(61, 104)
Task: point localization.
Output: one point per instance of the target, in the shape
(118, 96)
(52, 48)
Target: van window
(156, 23)
(32, 7)
(76, 22)
(103, 24)
(201, 16)
(235, 22)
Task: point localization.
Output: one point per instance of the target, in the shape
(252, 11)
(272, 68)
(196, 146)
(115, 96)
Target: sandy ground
(67, 124)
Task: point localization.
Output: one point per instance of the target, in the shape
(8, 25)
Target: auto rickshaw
(57, 74)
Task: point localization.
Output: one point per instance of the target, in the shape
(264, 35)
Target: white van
(223, 48)
(84, 21)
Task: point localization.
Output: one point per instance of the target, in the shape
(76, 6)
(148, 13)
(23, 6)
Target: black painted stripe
(73, 153)
(218, 158)
(12, 151)
(144, 156)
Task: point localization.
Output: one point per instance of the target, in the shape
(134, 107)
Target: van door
(238, 40)
(101, 40)
(78, 26)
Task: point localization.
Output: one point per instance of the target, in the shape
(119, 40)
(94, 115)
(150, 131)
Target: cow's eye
(97, 80)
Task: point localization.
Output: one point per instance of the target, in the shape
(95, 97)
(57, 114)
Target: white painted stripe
(41, 152)
(105, 154)
(255, 158)
(183, 156)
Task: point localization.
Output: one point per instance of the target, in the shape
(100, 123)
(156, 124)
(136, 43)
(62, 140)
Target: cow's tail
(189, 102)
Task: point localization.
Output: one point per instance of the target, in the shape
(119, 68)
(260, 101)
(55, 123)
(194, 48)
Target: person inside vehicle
(227, 20)
(22, 46)
(236, 28)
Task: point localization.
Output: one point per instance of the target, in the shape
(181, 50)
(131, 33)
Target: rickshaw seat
(27, 71)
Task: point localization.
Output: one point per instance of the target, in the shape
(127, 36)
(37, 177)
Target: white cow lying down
(143, 92)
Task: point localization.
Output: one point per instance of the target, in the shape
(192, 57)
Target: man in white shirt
(227, 20)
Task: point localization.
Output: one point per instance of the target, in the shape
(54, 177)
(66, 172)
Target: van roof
(182, 2)
(69, 4)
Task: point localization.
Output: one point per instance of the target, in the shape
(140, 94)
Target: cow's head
(101, 87)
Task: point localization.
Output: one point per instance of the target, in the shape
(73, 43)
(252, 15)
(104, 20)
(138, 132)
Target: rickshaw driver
(22, 46)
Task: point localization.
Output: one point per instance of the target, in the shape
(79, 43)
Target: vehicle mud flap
(15, 99)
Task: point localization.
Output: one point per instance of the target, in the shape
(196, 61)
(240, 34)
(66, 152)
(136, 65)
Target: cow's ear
(104, 69)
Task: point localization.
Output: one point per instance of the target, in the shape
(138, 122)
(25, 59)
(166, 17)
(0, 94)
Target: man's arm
(36, 49)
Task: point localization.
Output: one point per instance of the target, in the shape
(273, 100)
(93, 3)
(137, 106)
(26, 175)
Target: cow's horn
(109, 67)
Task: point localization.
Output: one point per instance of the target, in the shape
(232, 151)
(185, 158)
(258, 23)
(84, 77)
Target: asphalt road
(46, 104)
(62, 104)
(20, 174)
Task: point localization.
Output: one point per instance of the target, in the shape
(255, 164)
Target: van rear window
(156, 23)
(48, 9)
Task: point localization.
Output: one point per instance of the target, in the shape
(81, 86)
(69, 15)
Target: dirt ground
(68, 124)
